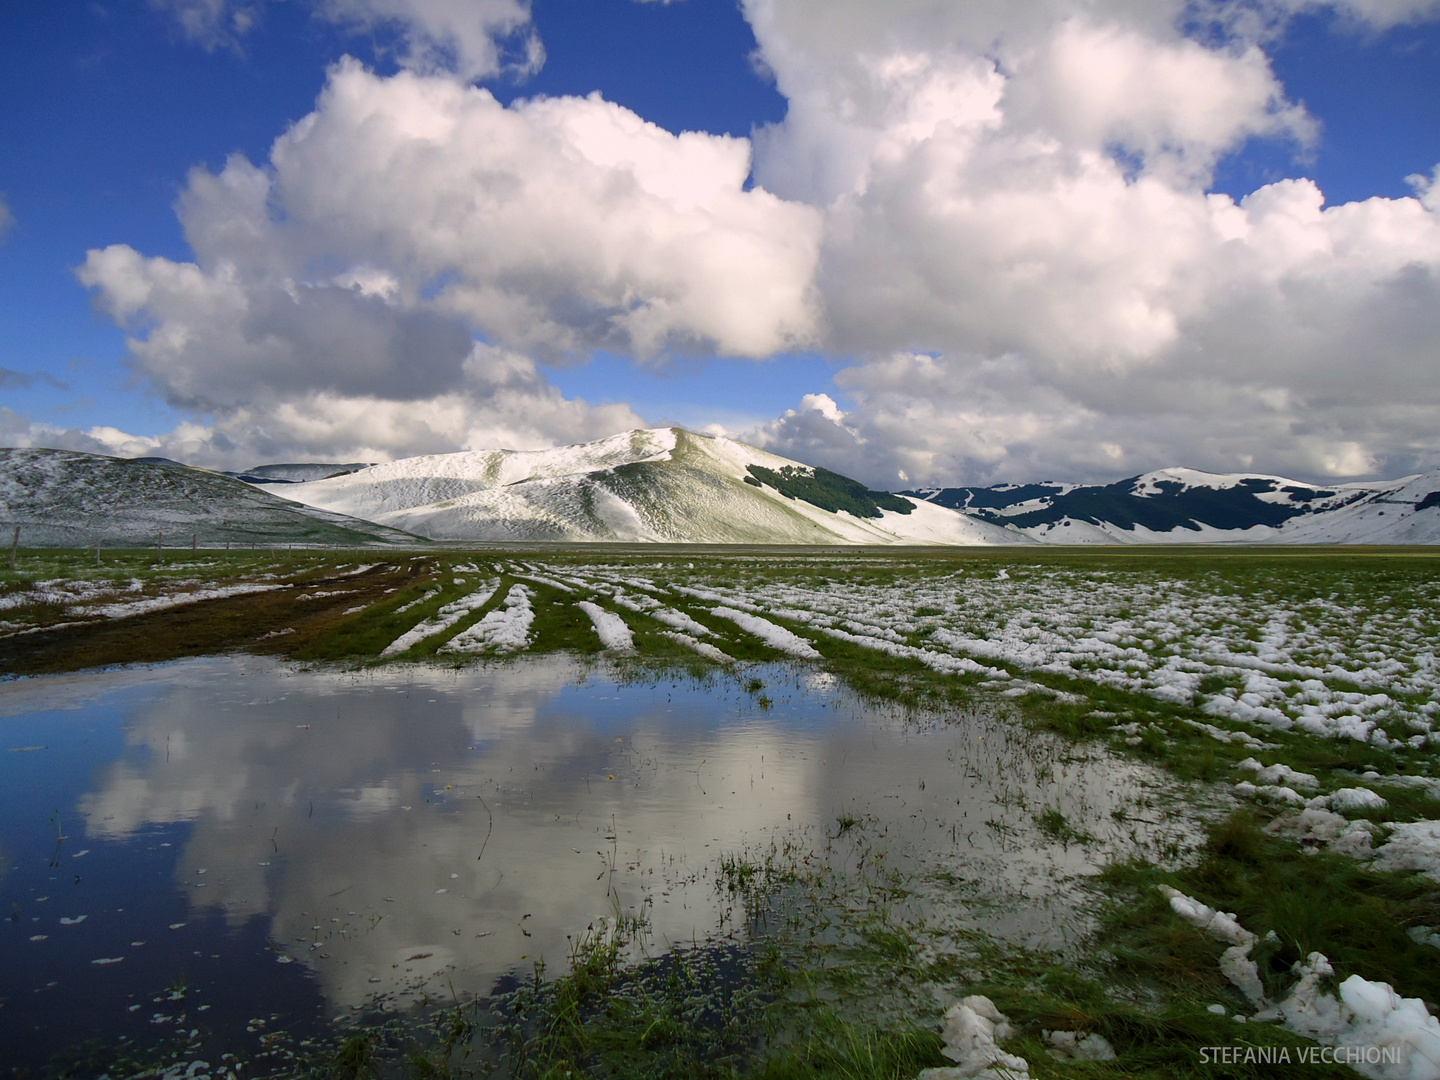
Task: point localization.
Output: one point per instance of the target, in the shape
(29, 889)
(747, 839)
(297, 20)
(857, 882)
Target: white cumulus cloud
(1023, 255)
(407, 216)
(1001, 211)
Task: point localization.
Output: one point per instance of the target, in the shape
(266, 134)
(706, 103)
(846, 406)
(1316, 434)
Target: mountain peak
(647, 485)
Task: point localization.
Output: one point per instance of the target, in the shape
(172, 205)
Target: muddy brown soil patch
(287, 621)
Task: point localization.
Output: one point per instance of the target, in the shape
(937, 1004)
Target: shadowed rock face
(63, 498)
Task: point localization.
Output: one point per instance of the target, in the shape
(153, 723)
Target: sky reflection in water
(298, 841)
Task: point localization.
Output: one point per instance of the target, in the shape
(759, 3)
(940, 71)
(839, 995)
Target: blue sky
(109, 105)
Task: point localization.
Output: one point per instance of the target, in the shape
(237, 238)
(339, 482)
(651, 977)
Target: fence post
(14, 546)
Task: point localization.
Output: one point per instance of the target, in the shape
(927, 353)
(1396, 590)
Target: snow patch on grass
(1368, 1018)
(1278, 774)
(442, 620)
(973, 1030)
(1278, 656)
(541, 579)
(162, 603)
(429, 595)
(504, 630)
(777, 637)
(710, 652)
(1363, 1016)
(614, 634)
(1412, 846)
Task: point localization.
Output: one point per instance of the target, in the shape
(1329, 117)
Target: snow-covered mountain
(661, 484)
(62, 498)
(671, 485)
(297, 473)
(1189, 506)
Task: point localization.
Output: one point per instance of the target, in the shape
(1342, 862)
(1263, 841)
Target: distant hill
(296, 473)
(660, 485)
(1189, 506)
(62, 498)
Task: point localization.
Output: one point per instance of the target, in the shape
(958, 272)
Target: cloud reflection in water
(352, 809)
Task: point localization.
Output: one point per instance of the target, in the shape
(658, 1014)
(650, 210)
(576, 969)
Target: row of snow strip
(503, 629)
(1331, 665)
(1079, 625)
(86, 600)
(81, 600)
(507, 628)
(1325, 666)
(1301, 671)
(883, 618)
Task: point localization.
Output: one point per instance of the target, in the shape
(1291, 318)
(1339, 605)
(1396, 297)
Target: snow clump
(1279, 774)
(1069, 1045)
(1412, 846)
(1356, 798)
(1316, 825)
(1369, 1017)
(710, 652)
(1235, 962)
(973, 1029)
(1270, 793)
(1395, 1038)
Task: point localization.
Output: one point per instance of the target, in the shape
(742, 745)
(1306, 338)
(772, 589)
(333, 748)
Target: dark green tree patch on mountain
(1166, 505)
(996, 498)
(827, 490)
(1306, 495)
(1172, 506)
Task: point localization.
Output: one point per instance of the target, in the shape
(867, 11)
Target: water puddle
(216, 850)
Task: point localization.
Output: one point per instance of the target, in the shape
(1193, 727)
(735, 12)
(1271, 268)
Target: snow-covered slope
(661, 484)
(297, 473)
(1192, 507)
(61, 498)
(1399, 512)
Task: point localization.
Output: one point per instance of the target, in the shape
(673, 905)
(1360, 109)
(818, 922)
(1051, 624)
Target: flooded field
(705, 814)
(238, 853)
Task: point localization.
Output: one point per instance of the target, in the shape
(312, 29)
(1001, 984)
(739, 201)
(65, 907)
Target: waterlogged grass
(690, 1013)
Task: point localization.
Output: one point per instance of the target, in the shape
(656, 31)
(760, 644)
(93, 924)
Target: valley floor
(1292, 698)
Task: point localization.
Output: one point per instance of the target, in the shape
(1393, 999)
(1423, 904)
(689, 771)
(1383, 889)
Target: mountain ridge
(1180, 505)
(66, 498)
(669, 485)
(659, 485)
